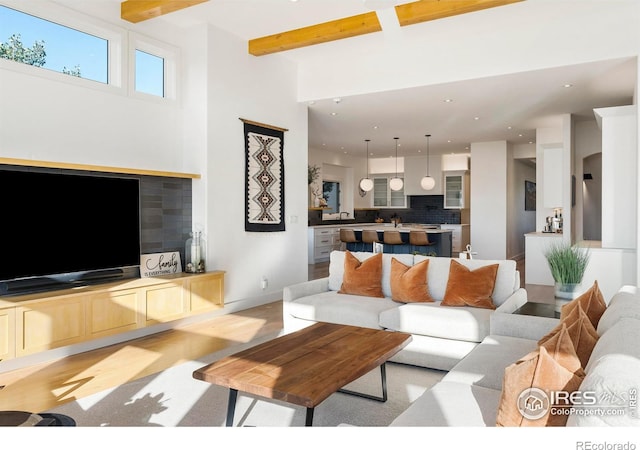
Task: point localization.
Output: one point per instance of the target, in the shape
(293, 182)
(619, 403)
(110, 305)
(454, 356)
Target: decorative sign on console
(155, 264)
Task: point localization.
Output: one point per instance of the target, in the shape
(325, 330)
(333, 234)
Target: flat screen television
(62, 227)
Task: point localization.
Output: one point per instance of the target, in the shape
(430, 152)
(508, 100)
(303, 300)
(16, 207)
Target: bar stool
(392, 238)
(419, 239)
(369, 237)
(348, 236)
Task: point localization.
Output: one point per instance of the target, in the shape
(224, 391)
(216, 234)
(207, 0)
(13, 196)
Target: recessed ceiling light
(449, 140)
(476, 118)
(567, 85)
(509, 127)
(448, 100)
(520, 135)
(375, 127)
(334, 113)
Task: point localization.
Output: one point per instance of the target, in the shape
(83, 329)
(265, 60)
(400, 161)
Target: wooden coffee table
(307, 366)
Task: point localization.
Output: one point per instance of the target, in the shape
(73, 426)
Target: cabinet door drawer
(7, 333)
(323, 253)
(112, 313)
(50, 325)
(323, 241)
(164, 303)
(206, 294)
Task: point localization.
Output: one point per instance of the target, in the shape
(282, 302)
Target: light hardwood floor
(44, 386)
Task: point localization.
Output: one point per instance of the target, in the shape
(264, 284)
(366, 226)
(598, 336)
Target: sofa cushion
(506, 284)
(466, 287)
(431, 319)
(621, 339)
(485, 365)
(409, 283)
(345, 309)
(450, 404)
(613, 380)
(362, 277)
(543, 370)
(625, 303)
(592, 303)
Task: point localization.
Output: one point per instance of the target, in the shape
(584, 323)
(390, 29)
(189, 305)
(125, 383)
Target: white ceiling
(508, 107)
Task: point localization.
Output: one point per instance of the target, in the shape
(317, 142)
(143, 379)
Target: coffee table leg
(309, 420)
(231, 406)
(383, 398)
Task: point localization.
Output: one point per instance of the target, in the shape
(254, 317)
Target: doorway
(592, 197)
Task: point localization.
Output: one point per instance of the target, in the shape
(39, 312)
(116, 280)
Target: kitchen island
(325, 238)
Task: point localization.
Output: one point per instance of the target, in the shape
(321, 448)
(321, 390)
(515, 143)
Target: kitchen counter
(325, 238)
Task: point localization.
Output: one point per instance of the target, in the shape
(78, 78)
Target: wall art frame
(264, 177)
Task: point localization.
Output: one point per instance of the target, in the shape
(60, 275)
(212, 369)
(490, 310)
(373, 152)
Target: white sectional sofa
(470, 394)
(442, 335)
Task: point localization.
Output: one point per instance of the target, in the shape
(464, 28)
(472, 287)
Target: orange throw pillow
(553, 367)
(467, 287)
(409, 283)
(592, 302)
(362, 278)
(582, 333)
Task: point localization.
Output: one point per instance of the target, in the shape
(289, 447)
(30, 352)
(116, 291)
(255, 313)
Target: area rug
(173, 398)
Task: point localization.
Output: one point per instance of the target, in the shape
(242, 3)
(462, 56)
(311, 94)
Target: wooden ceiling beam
(139, 10)
(316, 34)
(425, 10)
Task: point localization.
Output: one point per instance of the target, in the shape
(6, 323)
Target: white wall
(489, 216)
(52, 120)
(261, 90)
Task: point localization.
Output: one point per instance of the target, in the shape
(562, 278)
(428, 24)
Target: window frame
(170, 56)
(121, 46)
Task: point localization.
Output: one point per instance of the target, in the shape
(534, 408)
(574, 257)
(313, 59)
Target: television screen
(58, 223)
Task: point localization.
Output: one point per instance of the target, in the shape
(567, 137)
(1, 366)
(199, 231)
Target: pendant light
(396, 183)
(366, 184)
(427, 182)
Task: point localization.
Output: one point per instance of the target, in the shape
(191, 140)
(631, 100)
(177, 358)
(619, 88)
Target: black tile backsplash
(422, 209)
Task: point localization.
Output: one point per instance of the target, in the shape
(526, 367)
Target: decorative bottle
(195, 251)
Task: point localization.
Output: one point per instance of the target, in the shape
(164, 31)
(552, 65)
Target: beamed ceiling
(407, 13)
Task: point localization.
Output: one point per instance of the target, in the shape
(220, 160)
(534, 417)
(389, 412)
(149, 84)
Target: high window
(42, 43)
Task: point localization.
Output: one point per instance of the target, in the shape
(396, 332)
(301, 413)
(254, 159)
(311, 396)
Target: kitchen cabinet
(460, 236)
(321, 242)
(456, 190)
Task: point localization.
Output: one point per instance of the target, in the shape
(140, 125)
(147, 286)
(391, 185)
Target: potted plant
(567, 263)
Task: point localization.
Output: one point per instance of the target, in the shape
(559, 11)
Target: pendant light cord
(427, 136)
